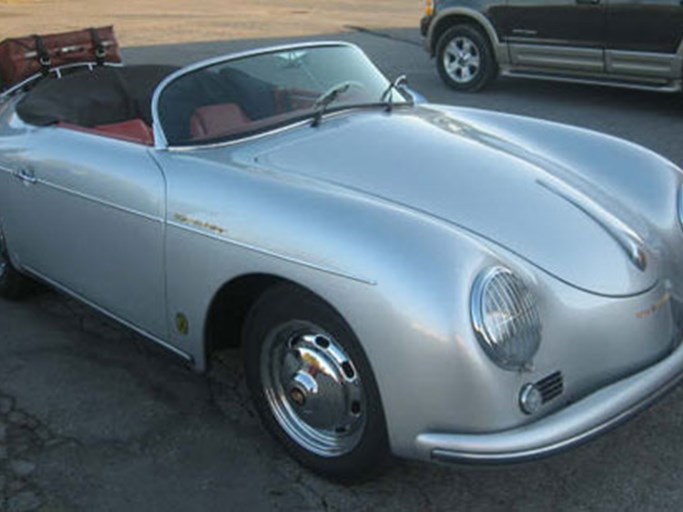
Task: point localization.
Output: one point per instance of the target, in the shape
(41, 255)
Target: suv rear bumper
(573, 425)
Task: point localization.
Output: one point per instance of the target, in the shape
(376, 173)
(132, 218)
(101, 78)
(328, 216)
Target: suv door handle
(26, 175)
(587, 2)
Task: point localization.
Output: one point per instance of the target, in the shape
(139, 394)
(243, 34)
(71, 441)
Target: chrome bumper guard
(575, 424)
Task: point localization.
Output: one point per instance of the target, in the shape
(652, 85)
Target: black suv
(631, 43)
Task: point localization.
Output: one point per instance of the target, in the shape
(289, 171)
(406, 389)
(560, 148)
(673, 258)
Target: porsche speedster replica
(434, 282)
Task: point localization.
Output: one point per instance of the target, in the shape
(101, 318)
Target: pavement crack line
(319, 495)
(23, 438)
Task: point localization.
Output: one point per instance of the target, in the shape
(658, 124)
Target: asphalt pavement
(93, 418)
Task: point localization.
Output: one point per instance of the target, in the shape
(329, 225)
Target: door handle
(26, 175)
(587, 2)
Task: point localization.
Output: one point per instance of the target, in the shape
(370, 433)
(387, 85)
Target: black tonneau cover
(104, 95)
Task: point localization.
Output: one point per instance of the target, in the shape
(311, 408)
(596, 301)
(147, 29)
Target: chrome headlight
(505, 318)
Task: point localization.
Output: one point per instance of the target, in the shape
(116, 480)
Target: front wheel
(464, 58)
(313, 386)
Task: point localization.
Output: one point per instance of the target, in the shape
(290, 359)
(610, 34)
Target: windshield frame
(160, 140)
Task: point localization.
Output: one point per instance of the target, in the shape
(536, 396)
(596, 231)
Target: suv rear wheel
(464, 58)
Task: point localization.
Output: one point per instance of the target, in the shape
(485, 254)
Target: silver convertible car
(434, 282)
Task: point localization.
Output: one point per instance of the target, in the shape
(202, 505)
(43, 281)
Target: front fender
(402, 280)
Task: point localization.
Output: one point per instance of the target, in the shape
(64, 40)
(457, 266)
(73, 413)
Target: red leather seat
(216, 120)
(134, 130)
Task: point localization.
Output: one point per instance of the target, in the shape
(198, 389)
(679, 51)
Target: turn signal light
(429, 7)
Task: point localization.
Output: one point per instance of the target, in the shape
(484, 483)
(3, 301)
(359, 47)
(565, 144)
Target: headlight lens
(505, 318)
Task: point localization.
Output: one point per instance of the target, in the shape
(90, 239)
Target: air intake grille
(551, 386)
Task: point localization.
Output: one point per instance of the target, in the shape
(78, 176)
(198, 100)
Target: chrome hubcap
(461, 60)
(313, 388)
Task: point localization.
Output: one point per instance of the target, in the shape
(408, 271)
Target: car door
(87, 213)
(644, 38)
(555, 35)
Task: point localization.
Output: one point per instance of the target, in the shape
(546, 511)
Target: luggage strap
(43, 55)
(100, 51)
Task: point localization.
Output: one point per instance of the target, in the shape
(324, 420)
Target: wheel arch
(452, 16)
(230, 306)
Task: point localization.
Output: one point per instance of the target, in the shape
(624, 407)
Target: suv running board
(671, 87)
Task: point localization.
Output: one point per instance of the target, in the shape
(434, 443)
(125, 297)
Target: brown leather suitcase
(23, 57)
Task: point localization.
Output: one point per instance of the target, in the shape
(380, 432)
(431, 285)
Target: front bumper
(424, 25)
(573, 425)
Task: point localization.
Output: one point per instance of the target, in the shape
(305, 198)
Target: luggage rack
(57, 72)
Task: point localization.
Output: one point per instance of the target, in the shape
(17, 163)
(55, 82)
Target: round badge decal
(182, 323)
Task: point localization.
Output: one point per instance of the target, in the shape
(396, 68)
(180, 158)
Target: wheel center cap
(298, 397)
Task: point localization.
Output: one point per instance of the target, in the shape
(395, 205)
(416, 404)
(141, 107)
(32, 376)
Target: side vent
(551, 386)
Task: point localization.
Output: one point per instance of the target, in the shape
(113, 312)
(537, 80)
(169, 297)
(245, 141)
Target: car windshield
(243, 96)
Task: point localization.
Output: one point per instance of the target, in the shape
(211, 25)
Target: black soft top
(105, 95)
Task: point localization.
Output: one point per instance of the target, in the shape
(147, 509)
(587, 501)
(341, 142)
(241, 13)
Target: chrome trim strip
(557, 57)
(223, 144)
(524, 32)
(631, 243)
(673, 87)
(545, 41)
(99, 201)
(646, 64)
(187, 357)
(160, 141)
(273, 254)
(274, 131)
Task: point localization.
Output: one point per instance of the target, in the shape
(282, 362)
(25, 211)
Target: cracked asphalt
(94, 418)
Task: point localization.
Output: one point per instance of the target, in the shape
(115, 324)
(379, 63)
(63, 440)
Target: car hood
(430, 160)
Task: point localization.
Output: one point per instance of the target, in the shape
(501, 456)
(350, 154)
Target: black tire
(300, 315)
(13, 285)
(464, 75)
